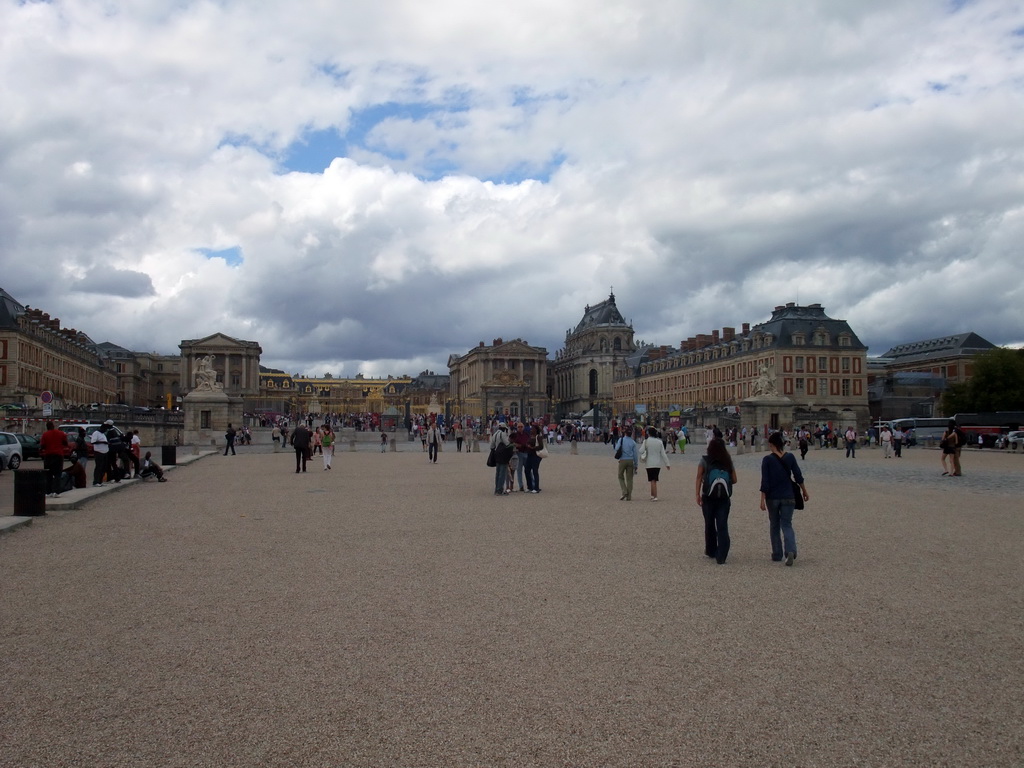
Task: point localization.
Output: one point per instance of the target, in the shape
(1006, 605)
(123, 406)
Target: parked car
(72, 430)
(10, 451)
(1014, 440)
(29, 446)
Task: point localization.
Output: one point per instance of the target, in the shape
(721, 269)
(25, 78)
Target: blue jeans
(851, 448)
(521, 458)
(500, 475)
(716, 527)
(780, 520)
(532, 473)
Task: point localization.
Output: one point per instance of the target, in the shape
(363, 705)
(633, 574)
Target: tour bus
(922, 429)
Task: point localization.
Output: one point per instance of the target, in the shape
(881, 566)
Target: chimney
(728, 334)
(714, 337)
(746, 328)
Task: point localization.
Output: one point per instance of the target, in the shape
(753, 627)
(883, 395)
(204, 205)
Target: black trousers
(54, 465)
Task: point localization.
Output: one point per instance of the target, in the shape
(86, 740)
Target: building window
(846, 364)
(236, 380)
(799, 362)
(205, 419)
(846, 387)
(844, 340)
(822, 364)
(799, 340)
(799, 386)
(593, 382)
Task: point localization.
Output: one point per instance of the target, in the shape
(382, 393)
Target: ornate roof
(792, 319)
(605, 313)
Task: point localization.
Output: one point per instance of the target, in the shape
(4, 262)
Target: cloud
(370, 188)
(124, 283)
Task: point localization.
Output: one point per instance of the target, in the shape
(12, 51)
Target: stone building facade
(507, 377)
(236, 362)
(37, 355)
(595, 354)
(814, 361)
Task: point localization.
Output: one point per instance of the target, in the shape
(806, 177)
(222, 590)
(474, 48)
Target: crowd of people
(116, 456)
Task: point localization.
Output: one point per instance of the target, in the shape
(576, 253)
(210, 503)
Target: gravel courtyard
(390, 612)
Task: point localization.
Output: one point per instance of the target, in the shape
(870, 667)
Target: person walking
(885, 438)
(229, 438)
(654, 457)
(327, 446)
(716, 476)
(628, 458)
(383, 441)
(301, 441)
(779, 473)
(433, 443)
(503, 450)
(53, 444)
(897, 442)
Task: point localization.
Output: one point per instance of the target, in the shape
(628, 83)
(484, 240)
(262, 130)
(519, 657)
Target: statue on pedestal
(206, 376)
(765, 383)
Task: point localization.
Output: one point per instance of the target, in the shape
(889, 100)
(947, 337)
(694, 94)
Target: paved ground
(391, 612)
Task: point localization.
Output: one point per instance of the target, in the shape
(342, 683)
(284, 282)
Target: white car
(10, 451)
(1014, 440)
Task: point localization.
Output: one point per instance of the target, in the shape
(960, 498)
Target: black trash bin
(170, 456)
(30, 492)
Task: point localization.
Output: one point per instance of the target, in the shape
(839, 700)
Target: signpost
(47, 399)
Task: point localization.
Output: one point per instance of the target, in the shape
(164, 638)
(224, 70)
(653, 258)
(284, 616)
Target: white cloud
(708, 161)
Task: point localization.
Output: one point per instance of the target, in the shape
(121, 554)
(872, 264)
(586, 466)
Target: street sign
(46, 397)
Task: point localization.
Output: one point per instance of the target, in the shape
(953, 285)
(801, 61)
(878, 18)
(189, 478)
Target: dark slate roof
(968, 343)
(9, 310)
(791, 318)
(605, 313)
(637, 358)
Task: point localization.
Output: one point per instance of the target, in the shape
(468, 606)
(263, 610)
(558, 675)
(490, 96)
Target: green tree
(997, 384)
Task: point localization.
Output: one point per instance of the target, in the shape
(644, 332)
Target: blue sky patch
(233, 255)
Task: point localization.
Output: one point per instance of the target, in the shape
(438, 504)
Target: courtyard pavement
(391, 612)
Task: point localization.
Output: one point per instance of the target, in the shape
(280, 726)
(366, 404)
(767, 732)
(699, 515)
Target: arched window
(593, 381)
(617, 344)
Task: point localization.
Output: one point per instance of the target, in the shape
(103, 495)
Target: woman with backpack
(716, 476)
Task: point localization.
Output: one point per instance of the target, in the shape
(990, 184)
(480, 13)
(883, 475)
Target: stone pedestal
(762, 410)
(207, 415)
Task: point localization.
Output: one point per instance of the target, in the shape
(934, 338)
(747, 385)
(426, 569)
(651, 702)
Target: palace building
(596, 353)
(800, 354)
(506, 378)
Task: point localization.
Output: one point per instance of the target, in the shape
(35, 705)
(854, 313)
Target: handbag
(618, 451)
(491, 461)
(542, 453)
(798, 495)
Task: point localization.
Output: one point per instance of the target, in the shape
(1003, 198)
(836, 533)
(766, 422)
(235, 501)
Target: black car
(29, 446)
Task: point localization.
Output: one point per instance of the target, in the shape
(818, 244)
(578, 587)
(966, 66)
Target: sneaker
(162, 480)
(97, 485)
(790, 557)
(534, 491)
(654, 498)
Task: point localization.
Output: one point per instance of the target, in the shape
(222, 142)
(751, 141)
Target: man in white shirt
(101, 452)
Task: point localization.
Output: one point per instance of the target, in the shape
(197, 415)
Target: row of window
(820, 364)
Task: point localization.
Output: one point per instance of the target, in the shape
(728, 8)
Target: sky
(371, 187)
